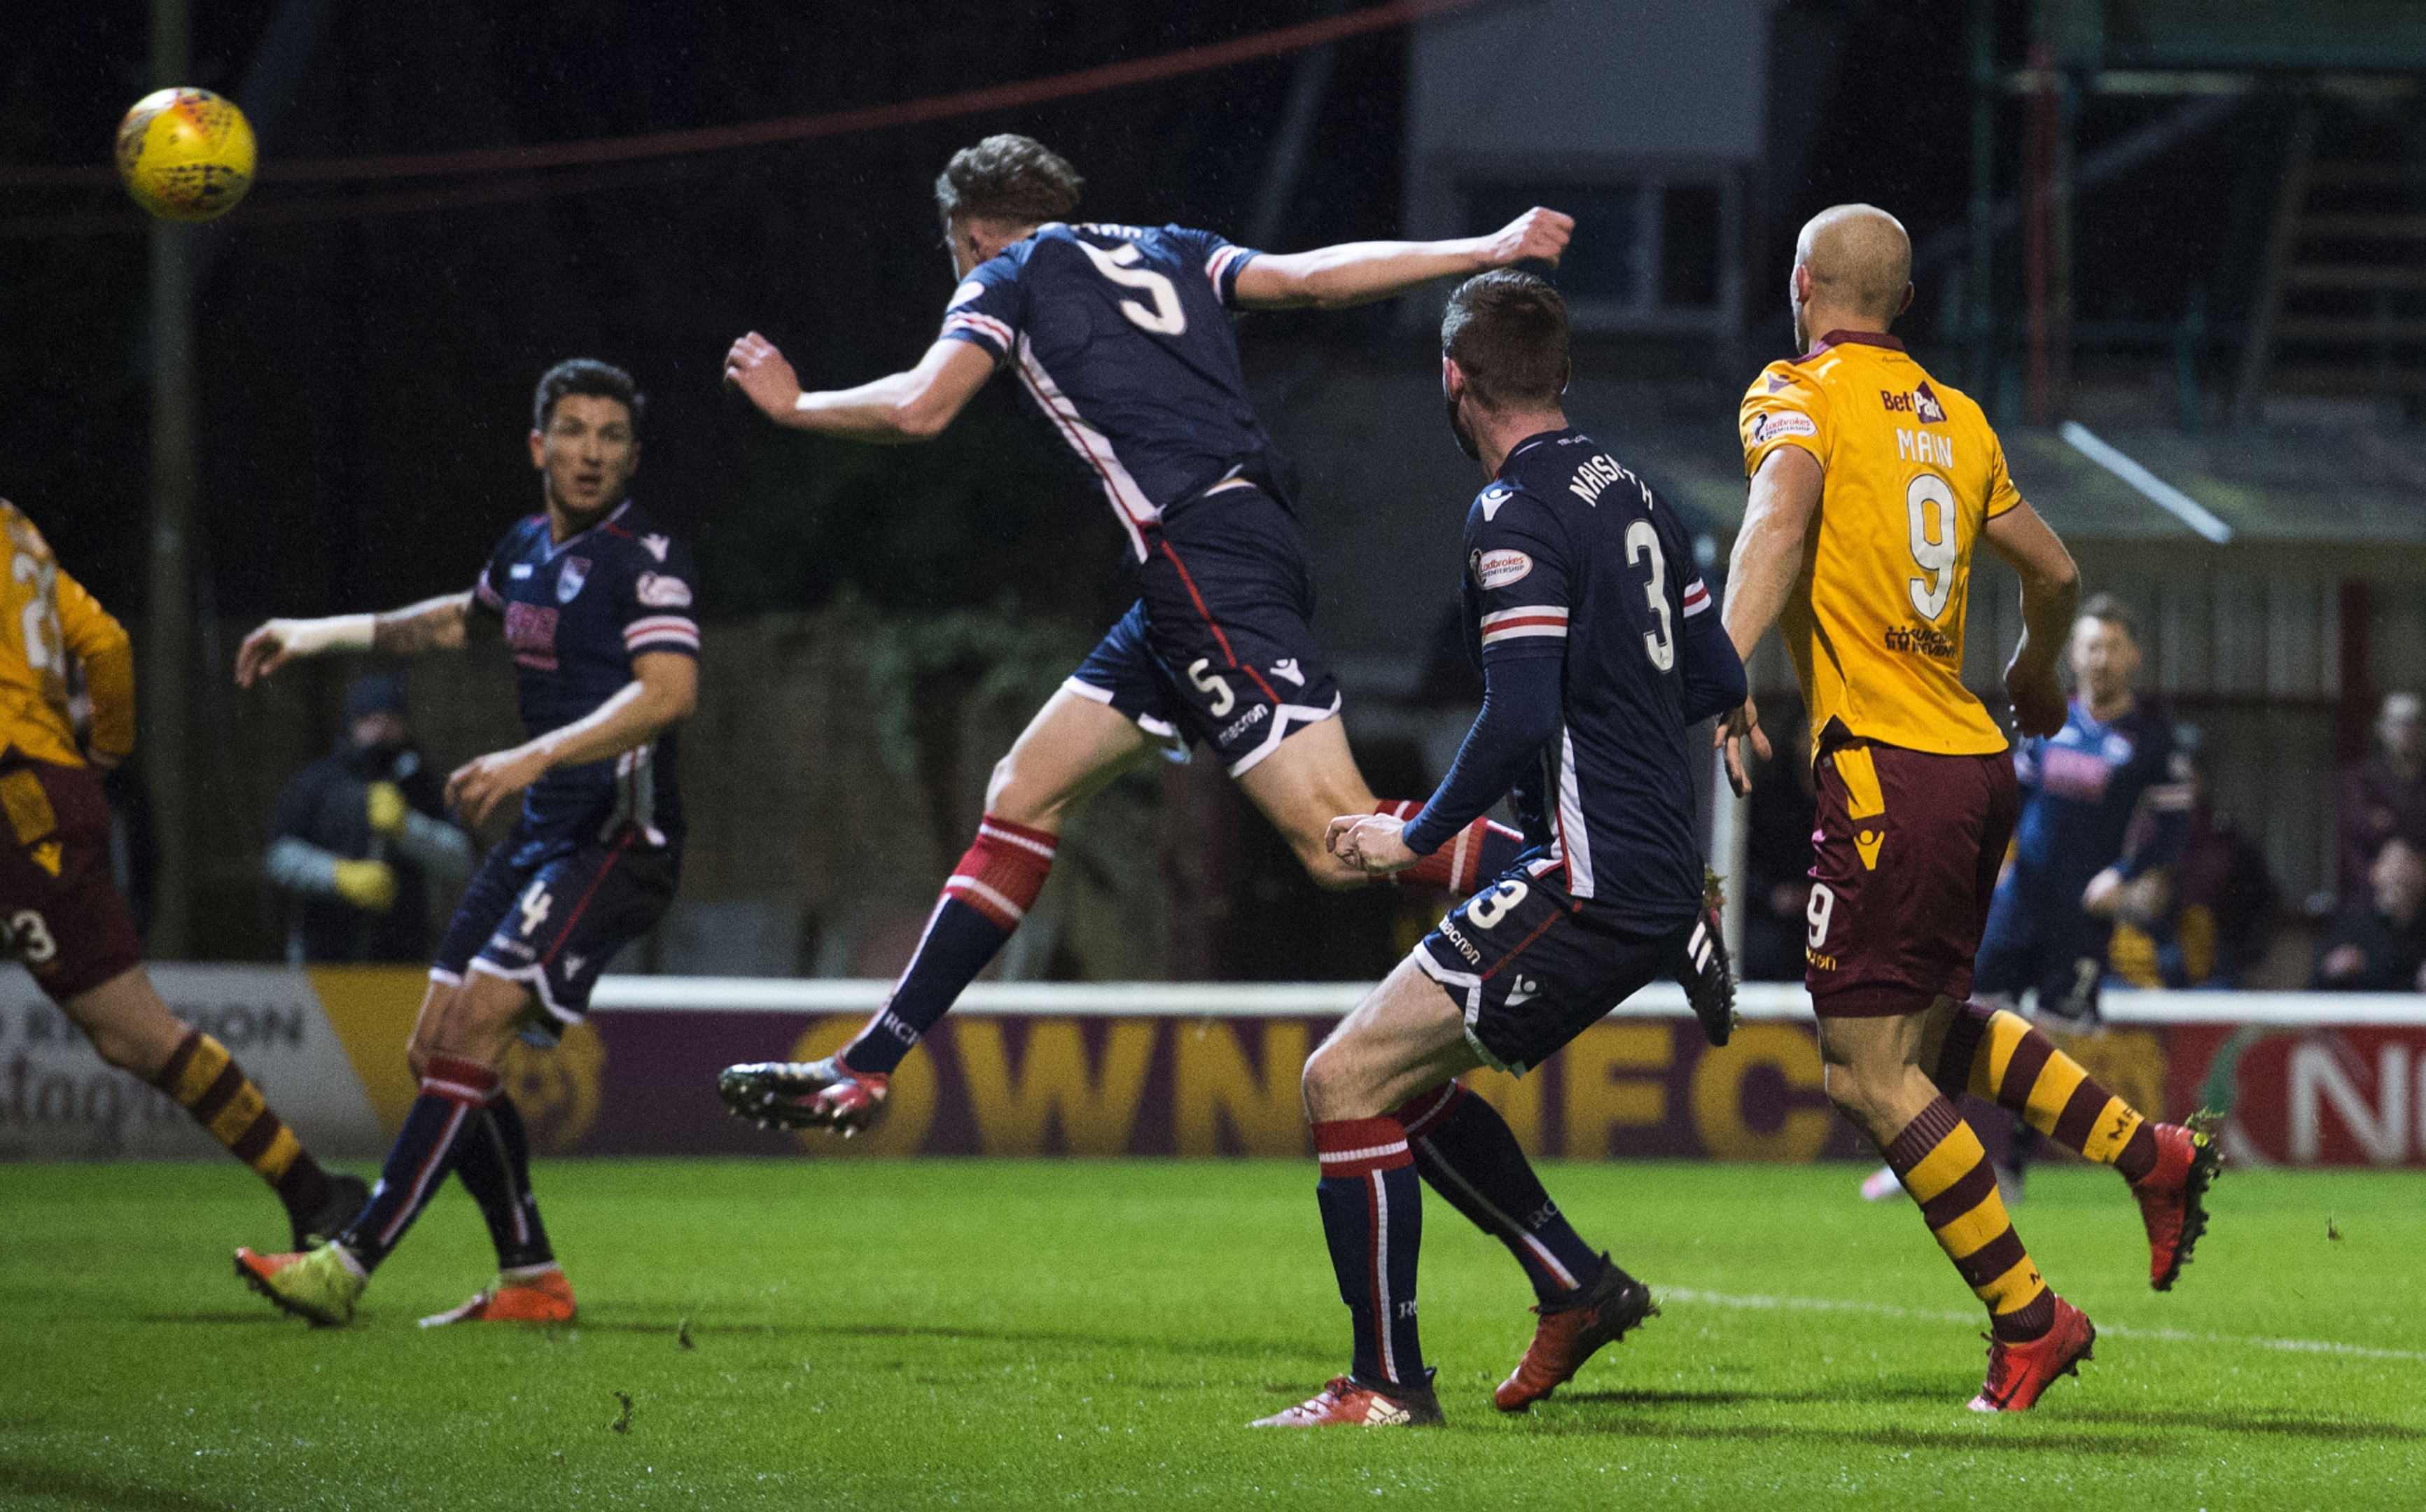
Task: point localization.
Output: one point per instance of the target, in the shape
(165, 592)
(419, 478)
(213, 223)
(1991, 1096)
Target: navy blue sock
(1466, 1149)
(1373, 1219)
(987, 895)
(493, 1161)
(425, 1151)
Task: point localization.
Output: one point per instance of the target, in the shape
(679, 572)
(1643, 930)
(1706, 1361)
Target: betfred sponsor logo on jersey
(1498, 569)
(1921, 403)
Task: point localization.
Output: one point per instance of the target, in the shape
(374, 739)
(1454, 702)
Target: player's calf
(1994, 1053)
(1483, 848)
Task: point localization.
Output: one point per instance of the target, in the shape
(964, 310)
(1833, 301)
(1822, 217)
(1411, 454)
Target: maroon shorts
(1903, 864)
(58, 902)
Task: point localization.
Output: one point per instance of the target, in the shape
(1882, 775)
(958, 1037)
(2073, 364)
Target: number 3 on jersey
(1643, 540)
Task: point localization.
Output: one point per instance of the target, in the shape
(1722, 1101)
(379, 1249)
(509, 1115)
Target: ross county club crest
(568, 579)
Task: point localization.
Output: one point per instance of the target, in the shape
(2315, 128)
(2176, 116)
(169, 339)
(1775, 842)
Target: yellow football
(185, 155)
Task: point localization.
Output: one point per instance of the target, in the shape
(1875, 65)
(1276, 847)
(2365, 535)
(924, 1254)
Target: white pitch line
(2118, 1330)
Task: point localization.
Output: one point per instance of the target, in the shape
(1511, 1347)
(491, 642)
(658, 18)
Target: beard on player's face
(1458, 428)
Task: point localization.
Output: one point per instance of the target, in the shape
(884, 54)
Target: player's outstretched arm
(905, 407)
(1767, 559)
(663, 692)
(2050, 601)
(1358, 272)
(100, 642)
(433, 624)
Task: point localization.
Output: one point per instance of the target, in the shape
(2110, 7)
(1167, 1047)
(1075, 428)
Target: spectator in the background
(2079, 859)
(1777, 854)
(2379, 947)
(360, 834)
(2210, 917)
(2381, 798)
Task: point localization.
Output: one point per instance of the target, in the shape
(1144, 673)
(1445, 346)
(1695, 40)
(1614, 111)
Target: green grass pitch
(881, 1334)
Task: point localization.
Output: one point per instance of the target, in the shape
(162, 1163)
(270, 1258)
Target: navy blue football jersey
(2083, 787)
(1121, 336)
(1571, 556)
(575, 614)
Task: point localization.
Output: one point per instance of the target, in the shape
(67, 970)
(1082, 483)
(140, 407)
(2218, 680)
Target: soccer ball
(185, 155)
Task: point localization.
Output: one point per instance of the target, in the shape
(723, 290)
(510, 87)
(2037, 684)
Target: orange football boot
(544, 1297)
(2018, 1373)
(1345, 1402)
(2173, 1196)
(1562, 1340)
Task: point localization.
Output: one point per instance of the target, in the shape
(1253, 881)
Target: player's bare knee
(1328, 1082)
(1858, 1097)
(1000, 794)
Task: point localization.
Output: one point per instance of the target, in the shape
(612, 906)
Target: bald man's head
(1858, 261)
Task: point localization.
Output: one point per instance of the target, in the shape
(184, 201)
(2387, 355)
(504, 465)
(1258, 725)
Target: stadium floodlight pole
(1979, 279)
(168, 632)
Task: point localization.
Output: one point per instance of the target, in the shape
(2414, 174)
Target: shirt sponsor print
(1498, 569)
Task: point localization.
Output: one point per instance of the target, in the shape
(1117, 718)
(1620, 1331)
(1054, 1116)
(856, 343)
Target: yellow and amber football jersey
(45, 617)
(1911, 472)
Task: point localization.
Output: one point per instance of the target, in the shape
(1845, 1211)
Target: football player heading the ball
(1121, 336)
(594, 599)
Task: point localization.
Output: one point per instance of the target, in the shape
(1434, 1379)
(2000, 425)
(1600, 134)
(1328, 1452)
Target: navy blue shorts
(1533, 967)
(554, 925)
(2047, 943)
(1220, 648)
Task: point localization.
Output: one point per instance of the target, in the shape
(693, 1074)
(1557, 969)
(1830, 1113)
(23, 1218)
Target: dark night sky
(365, 382)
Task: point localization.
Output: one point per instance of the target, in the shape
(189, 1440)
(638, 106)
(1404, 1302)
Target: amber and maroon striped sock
(1940, 1163)
(208, 1083)
(1995, 1054)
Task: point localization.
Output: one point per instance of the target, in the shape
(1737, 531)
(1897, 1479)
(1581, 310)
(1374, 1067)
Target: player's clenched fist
(1373, 844)
(1537, 233)
(758, 369)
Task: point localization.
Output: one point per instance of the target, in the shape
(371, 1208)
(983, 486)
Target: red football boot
(543, 1296)
(1562, 1340)
(813, 1094)
(1346, 1403)
(2018, 1373)
(2173, 1196)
